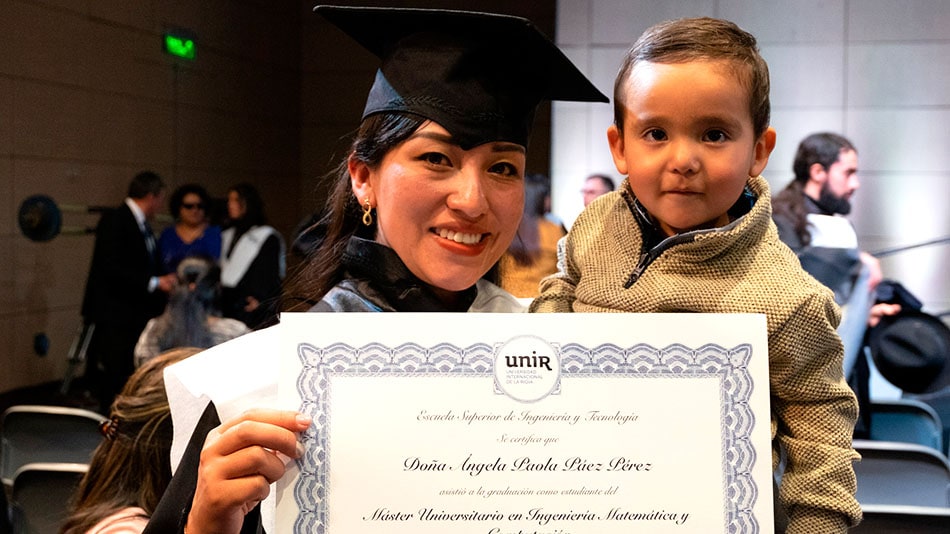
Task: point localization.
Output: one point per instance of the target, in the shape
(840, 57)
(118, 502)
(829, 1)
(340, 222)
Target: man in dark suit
(125, 287)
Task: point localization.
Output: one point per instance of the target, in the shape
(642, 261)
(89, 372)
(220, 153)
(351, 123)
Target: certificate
(527, 423)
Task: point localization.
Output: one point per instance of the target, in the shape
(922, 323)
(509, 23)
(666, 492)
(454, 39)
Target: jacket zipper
(651, 255)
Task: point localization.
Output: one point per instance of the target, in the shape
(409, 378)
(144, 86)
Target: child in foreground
(690, 230)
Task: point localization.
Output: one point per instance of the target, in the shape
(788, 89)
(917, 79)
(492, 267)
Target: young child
(690, 230)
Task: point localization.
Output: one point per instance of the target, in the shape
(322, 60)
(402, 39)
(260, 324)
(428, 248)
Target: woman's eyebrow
(498, 146)
(507, 147)
(435, 136)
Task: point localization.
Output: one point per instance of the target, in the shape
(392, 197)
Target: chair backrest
(31, 434)
(5, 527)
(895, 473)
(41, 496)
(940, 402)
(906, 420)
(885, 519)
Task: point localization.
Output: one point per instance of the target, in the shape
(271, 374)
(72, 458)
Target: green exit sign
(180, 46)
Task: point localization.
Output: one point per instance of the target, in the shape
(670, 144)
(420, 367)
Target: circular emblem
(527, 368)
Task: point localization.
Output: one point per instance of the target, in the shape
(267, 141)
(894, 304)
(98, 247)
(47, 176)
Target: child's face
(687, 144)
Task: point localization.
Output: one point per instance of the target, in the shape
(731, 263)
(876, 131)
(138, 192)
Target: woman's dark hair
(185, 320)
(131, 465)
(253, 206)
(179, 194)
(823, 148)
(342, 218)
(526, 246)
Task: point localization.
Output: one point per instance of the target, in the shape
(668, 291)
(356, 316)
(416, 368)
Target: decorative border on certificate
(728, 365)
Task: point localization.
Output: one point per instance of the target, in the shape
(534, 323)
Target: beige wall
(87, 99)
(874, 70)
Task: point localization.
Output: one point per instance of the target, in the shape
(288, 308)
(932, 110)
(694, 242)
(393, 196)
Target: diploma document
(527, 423)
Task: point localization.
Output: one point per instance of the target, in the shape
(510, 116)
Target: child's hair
(685, 40)
(131, 466)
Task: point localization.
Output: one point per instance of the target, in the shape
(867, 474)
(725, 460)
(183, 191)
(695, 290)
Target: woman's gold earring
(367, 213)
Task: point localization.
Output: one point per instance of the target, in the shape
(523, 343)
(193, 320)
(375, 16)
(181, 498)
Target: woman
(252, 260)
(129, 470)
(419, 242)
(425, 204)
(533, 253)
(192, 234)
(191, 316)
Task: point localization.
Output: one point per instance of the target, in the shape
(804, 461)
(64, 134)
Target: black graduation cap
(479, 75)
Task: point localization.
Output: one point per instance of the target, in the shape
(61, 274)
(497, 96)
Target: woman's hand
(239, 461)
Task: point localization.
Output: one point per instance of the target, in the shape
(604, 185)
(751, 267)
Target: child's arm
(557, 290)
(816, 412)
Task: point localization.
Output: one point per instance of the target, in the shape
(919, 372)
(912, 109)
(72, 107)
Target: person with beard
(810, 216)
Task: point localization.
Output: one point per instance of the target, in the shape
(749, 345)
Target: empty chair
(886, 519)
(5, 527)
(940, 401)
(31, 434)
(41, 495)
(906, 420)
(895, 473)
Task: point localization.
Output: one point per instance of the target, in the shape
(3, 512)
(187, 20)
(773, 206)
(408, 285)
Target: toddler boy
(690, 230)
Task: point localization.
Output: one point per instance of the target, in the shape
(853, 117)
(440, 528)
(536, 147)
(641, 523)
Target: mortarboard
(479, 75)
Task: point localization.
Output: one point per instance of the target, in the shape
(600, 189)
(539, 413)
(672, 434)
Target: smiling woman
(420, 211)
(432, 191)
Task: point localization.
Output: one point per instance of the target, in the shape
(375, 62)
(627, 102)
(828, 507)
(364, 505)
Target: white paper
(237, 375)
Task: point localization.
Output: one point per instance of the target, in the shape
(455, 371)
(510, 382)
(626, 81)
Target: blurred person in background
(125, 288)
(810, 216)
(532, 254)
(130, 469)
(191, 318)
(252, 260)
(192, 234)
(596, 185)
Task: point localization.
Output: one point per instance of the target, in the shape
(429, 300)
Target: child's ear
(360, 181)
(615, 141)
(763, 147)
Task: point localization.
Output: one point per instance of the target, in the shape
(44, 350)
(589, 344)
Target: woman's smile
(460, 237)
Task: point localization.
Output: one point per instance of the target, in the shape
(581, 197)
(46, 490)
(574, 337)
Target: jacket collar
(382, 268)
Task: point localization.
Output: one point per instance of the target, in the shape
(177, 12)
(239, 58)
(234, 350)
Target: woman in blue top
(192, 234)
